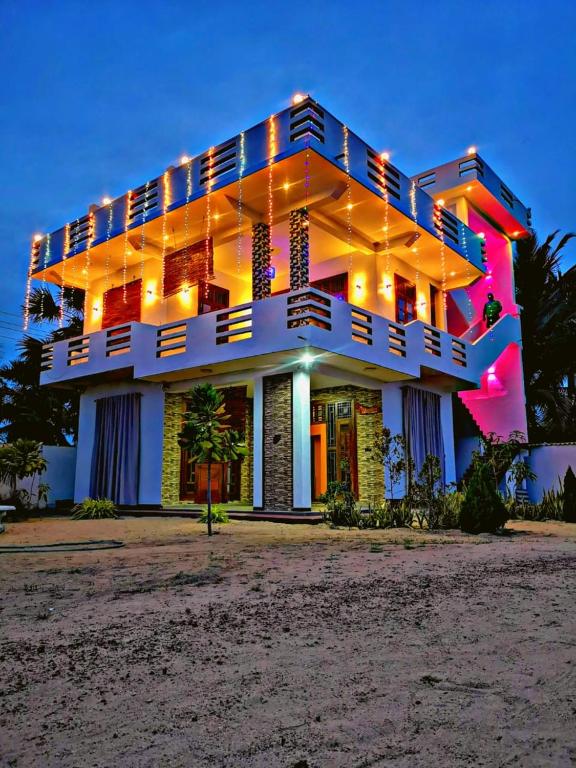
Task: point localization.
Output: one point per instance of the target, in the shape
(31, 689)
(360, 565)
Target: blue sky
(97, 97)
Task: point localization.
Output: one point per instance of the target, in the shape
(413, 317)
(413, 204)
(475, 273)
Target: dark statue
(492, 310)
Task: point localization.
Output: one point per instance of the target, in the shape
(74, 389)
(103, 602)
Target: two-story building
(325, 292)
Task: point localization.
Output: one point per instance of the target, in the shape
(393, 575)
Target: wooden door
(218, 483)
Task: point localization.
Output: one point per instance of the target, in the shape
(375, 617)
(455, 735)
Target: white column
(151, 445)
(447, 423)
(392, 419)
(85, 443)
(257, 442)
(301, 469)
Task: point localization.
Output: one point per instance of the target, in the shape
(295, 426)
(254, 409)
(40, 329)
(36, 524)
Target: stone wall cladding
(278, 443)
(173, 410)
(370, 474)
(247, 470)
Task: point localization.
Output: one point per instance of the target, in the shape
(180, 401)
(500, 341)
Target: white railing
(301, 319)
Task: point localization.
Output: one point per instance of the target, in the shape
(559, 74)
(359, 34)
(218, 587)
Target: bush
(94, 509)
(449, 516)
(219, 515)
(341, 507)
(483, 510)
(569, 500)
(379, 515)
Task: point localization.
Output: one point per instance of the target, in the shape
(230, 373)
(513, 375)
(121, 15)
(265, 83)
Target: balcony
(473, 178)
(264, 334)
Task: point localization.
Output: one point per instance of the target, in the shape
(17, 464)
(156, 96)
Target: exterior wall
(173, 408)
(59, 475)
(278, 443)
(152, 420)
(247, 466)
(549, 462)
(370, 474)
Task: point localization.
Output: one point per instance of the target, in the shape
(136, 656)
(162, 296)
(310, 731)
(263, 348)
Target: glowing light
(216, 216)
(452, 274)
(385, 156)
(286, 186)
(492, 369)
(95, 309)
(482, 235)
(440, 202)
(307, 358)
(184, 159)
(491, 376)
(468, 189)
(106, 200)
(515, 233)
(349, 206)
(37, 238)
(298, 98)
(240, 202)
(471, 150)
(414, 250)
(346, 149)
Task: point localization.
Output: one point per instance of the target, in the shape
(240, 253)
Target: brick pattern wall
(247, 467)
(370, 474)
(173, 409)
(278, 443)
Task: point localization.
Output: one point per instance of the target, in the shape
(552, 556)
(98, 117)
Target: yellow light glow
(385, 156)
(452, 274)
(349, 206)
(151, 293)
(441, 201)
(166, 237)
(385, 229)
(286, 186)
(298, 98)
(106, 200)
(468, 189)
(414, 250)
(515, 233)
(386, 289)
(472, 150)
(37, 238)
(422, 306)
(216, 216)
(84, 271)
(184, 159)
(96, 307)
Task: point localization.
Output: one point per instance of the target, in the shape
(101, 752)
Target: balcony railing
(305, 319)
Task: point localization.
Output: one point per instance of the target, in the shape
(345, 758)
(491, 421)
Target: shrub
(483, 510)
(219, 515)
(379, 515)
(450, 511)
(94, 509)
(569, 500)
(341, 507)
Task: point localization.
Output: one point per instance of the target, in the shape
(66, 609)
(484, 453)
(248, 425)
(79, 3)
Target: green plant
(219, 515)
(341, 507)
(450, 510)
(19, 460)
(427, 493)
(207, 437)
(94, 509)
(379, 515)
(482, 510)
(389, 451)
(569, 497)
(42, 493)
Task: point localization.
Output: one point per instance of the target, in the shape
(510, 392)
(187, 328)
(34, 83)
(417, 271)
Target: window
(405, 293)
(211, 297)
(433, 298)
(335, 285)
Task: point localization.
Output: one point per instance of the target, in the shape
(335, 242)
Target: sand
(275, 645)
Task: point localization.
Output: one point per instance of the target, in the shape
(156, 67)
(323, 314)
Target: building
(324, 291)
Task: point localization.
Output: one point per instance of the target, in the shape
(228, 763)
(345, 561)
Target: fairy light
(440, 230)
(187, 208)
(109, 221)
(125, 253)
(143, 234)
(165, 204)
(63, 275)
(240, 201)
(469, 307)
(208, 219)
(271, 156)
(414, 214)
(88, 257)
(46, 261)
(349, 206)
(33, 256)
(386, 228)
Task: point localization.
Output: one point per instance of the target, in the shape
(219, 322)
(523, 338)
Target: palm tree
(207, 437)
(548, 318)
(26, 411)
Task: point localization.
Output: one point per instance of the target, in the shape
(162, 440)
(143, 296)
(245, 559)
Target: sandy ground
(292, 646)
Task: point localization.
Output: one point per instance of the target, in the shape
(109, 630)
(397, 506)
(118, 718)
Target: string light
(107, 256)
(414, 214)
(34, 252)
(440, 230)
(143, 235)
(187, 208)
(46, 261)
(386, 228)
(208, 220)
(348, 199)
(125, 254)
(106, 200)
(240, 201)
(165, 204)
(63, 275)
(469, 306)
(271, 156)
(87, 260)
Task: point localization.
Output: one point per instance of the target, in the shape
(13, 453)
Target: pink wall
(499, 405)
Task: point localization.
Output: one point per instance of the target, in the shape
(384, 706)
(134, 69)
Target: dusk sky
(98, 97)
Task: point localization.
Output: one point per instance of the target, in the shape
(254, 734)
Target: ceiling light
(307, 358)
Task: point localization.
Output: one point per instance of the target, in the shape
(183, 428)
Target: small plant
(219, 515)
(18, 461)
(450, 512)
(379, 515)
(483, 510)
(569, 500)
(341, 507)
(94, 509)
